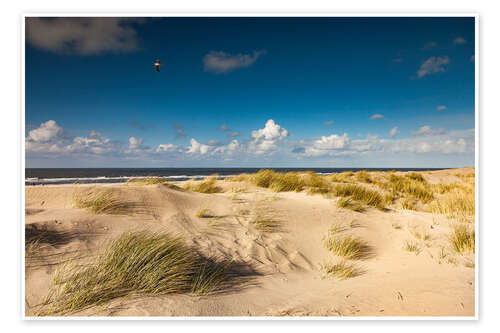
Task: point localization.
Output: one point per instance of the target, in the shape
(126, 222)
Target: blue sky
(256, 92)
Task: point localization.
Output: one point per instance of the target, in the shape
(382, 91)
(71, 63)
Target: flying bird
(158, 64)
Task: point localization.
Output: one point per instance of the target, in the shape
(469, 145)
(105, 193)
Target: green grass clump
(363, 176)
(145, 181)
(348, 203)
(207, 185)
(342, 270)
(359, 193)
(348, 247)
(137, 263)
(100, 202)
(463, 238)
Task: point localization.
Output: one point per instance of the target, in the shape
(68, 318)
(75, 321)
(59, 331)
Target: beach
(286, 245)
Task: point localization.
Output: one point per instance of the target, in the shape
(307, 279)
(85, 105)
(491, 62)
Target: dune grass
(348, 203)
(265, 223)
(408, 203)
(463, 238)
(341, 177)
(455, 204)
(348, 247)
(421, 234)
(100, 202)
(207, 185)
(363, 176)
(136, 263)
(342, 270)
(413, 185)
(359, 193)
(412, 246)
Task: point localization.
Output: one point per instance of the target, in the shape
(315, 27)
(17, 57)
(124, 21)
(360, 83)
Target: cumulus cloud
(82, 35)
(46, 132)
(441, 108)
(377, 116)
(224, 128)
(234, 134)
(221, 62)
(433, 65)
(459, 40)
(328, 122)
(265, 140)
(394, 131)
(134, 143)
(427, 130)
(197, 148)
(49, 139)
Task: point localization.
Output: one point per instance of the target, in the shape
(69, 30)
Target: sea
(57, 176)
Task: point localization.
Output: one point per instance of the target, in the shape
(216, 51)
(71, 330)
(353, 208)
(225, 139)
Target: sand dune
(283, 267)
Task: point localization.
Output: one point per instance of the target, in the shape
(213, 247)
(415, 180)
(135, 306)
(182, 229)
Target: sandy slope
(283, 267)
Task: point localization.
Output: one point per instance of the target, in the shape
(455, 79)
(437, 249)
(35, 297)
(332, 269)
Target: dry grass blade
(359, 193)
(347, 203)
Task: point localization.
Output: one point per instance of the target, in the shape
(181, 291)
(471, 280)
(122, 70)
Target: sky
(250, 92)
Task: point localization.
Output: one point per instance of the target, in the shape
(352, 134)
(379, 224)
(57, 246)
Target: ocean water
(38, 176)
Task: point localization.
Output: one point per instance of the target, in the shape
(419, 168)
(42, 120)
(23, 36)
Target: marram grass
(207, 185)
(136, 263)
(342, 270)
(463, 238)
(100, 202)
(348, 247)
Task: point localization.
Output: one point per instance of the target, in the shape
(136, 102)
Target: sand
(284, 268)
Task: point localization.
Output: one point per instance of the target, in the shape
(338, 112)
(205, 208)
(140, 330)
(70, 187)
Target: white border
(266, 13)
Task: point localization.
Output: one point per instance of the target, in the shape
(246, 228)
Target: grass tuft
(207, 185)
(145, 181)
(348, 247)
(455, 204)
(136, 263)
(412, 246)
(463, 238)
(100, 202)
(348, 203)
(363, 176)
(342, 270)
(359, 193)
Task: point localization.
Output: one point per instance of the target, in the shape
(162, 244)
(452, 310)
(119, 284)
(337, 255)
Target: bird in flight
(158, 64)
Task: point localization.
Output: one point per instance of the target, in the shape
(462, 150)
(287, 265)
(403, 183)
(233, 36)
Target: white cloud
(221, 62)
(433, 65)
(377, 116)
(197, 148)
(167, 147)
(426, 130)
(441, 108)
(394, 131)
(459, 40)
(265, 140)
(46, 132)
(82, 35)
(134, 143)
